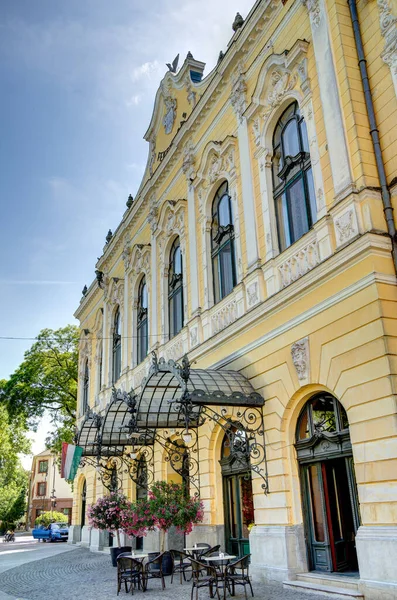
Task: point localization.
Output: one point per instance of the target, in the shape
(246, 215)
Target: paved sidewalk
(84, 575)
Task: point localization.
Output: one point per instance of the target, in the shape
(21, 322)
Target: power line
(55, 339)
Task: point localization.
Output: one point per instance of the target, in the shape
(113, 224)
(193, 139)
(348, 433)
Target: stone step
(331, 580)
(327, 591)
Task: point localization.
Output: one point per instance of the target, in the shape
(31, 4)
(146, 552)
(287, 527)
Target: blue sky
(78, 80)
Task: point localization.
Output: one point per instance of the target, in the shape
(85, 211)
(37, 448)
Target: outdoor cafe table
(221, 563)
(195, 550)
(136, 555)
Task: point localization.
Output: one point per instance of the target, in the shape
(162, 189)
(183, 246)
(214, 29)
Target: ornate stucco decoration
(301, 357)
(388, 27)
(140, 259)
(85, 352)
(126, 255)
(281, 75)
(116, 292)
(170, 113)
(217, 162)
(193, 336)
(238, 95)
(314, 8)
(189, 160)
(346, 227)
(252, 294)
(153, 214)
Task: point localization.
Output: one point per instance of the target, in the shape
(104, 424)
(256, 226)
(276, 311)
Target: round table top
(136, 555)
(197, 548)
(224, 557)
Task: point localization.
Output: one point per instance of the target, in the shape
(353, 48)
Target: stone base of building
(277, 552)
(74, 534)
(99, 540)
(85, 536)
(377, 560)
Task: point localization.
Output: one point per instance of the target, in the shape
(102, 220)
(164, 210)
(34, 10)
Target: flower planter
(114, 553)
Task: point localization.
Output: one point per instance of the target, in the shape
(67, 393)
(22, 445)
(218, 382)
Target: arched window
(321, 414)
(293, 186)
(116, 346)
(222, 244)
(175, 290)
(142, 321)
(86, 385)
(100, 367)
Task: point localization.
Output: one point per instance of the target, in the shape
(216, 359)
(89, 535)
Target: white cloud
(145, 70)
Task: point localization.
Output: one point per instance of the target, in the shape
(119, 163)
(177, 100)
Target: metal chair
(130, 571)
(237, 573)
(201, 547)
(180, 564)
(154, 568)
(203, 576)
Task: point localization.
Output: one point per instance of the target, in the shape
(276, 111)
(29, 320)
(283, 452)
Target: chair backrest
(199, 567)
(210, 551)
(179, 556)
(127, 563)
(241, 564)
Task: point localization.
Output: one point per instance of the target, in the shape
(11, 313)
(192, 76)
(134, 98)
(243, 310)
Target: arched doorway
(237, 492)
(329, 491)
(83, 502)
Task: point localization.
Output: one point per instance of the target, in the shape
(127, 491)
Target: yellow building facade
(261, 242)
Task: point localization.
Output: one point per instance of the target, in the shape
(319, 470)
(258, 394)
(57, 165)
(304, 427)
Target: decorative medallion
(300, 357)
(170, 113)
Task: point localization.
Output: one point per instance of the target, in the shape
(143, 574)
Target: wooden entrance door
(330, 515)
(239, 512)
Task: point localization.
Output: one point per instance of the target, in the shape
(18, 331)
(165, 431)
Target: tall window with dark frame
(293, 185)
(142, 321)
(86, 386)
(175, 290)
(222, 244)
(116, 346)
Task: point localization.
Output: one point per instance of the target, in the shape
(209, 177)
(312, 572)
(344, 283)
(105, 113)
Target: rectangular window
(39, 511)
(282, 222)
(41, 489)
(43, 466)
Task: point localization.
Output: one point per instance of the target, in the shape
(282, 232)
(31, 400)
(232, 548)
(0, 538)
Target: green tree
(46, 380)
(13, 478)
(51, 516)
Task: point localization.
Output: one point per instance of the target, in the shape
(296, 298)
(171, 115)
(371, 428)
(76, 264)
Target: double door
(331, 514)
(239, 512)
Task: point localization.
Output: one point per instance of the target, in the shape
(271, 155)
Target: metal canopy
(88, 436)
(173, 397)
(169, 387)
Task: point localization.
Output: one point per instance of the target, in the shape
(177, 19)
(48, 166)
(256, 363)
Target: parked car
(52, 532)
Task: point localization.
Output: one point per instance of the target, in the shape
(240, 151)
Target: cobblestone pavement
(88, 576)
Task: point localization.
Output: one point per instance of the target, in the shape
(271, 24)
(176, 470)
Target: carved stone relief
(346, 227)
(252, 294)
(237, 95)
(193, 337)
(388, 27)
(188, 160)
(301, 358)
(314, 8)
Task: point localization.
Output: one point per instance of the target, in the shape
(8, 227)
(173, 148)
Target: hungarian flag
(70, 460)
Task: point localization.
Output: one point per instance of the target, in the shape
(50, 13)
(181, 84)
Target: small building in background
(47, 491)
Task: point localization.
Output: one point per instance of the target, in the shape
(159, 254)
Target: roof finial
(129, 201)
(238, 22)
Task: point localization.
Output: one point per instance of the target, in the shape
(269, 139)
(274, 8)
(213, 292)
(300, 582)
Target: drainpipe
(362, 63)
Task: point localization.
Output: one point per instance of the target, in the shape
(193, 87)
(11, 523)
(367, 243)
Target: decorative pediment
(218, 161)
(280, 74)
(140, 259)
(172, 217)
(116, 291)
(85, 350)
(176, 97)
(98, 323)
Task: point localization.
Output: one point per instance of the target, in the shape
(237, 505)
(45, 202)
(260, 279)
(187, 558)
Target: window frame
(42, 462)
(39, 484)
(142, 322)
(307, 412)
(116, 346)
(175, 291)
(222, 237)
(294, 168)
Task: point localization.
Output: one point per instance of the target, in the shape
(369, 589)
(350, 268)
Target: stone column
(105, 344)
(333, 121)
(193, 265)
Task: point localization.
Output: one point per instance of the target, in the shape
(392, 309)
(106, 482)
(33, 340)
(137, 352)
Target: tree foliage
(51, 516)
(46, 380)
(13, 478)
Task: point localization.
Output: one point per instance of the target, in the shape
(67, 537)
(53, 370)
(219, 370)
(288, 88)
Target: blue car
(52, 533)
